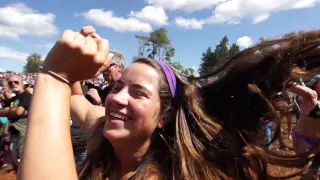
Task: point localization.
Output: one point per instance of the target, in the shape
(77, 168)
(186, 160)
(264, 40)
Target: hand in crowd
(78, 56)
(93, 93)
(5, 92)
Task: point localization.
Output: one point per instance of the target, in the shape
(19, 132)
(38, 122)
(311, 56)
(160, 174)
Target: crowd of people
(16, 90)
(147, 121)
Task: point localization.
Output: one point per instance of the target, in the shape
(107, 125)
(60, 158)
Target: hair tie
(171, 78)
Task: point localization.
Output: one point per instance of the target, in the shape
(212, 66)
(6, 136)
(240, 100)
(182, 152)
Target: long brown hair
(180, 149)
(241, 96)
(194, 146)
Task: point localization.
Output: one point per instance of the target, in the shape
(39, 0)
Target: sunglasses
(105, 72)
(13, 82)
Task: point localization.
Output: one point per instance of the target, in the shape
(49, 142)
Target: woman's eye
(138, 94)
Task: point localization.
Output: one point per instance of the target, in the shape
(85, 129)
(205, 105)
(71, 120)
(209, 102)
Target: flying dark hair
(240, 98)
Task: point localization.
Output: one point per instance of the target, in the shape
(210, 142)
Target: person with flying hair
(156, 125)
(306, 133)
(241, 99)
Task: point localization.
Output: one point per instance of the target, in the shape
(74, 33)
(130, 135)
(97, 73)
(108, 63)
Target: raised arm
(47, 152)
(83, 112)
(309, 98)
(48, 148)
(303, 91)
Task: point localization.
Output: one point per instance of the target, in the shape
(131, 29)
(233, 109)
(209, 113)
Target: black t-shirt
(85, 88)
(23, 100)
(5, 103)
(103, 93)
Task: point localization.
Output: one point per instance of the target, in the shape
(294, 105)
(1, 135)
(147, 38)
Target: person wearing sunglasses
(110, 75)
(17, 113)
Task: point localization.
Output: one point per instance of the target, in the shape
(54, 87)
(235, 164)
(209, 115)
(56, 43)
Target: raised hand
(89, 31)
(76, 57)
(93, 93)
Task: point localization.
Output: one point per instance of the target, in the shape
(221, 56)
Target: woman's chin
(116, 134)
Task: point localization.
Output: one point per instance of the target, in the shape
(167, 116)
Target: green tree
(158, 46)
(177, 65)
(208, 62)
(224, 51)
(33, 63)
(234, 49)
(188, 72)
(143, 44)
(211, 60)
(160, 43)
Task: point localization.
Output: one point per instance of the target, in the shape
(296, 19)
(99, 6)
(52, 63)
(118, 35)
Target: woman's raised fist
(77, 56)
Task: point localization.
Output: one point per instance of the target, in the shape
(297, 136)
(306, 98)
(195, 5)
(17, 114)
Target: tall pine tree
(210, 61)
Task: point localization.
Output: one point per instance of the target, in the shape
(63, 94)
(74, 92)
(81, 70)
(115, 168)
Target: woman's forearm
(47, 152)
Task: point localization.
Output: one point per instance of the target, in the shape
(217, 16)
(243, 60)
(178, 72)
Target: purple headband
(171, 78)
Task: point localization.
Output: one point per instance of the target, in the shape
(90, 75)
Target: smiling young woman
(154, 124)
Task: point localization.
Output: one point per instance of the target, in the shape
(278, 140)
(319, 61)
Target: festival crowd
(149, 122)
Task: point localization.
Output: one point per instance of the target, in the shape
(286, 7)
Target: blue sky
(193, 25)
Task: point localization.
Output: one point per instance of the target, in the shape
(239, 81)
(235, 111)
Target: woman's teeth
(119, 116)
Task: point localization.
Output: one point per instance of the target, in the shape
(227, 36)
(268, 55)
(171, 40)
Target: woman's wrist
(46, 78)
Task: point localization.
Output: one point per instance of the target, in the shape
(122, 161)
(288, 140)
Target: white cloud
(189, 23)
(151, 14)
(260, 18)
(2, 70)
(17, 20)
(231, 11)
(46, 46)
(304, 4)
(257, 11)
(12, 54)
(244, 42)
(186, 5)
(108, 19)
